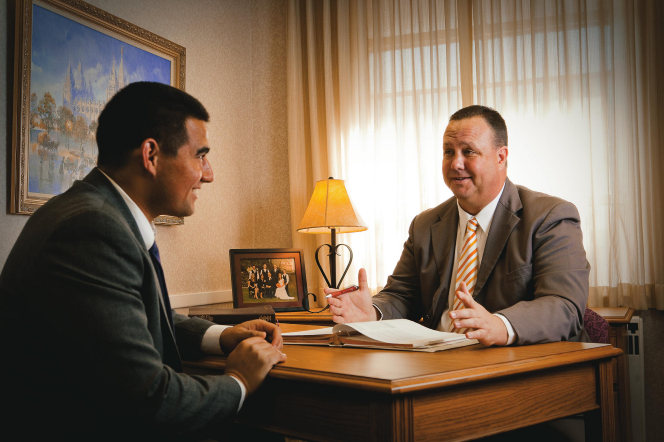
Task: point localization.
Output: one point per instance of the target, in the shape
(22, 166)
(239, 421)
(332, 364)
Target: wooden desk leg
(392, 419)
(402, 419)
(600, 424)
(623, 386)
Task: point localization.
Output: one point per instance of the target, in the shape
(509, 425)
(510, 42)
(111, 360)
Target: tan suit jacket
(534, 269)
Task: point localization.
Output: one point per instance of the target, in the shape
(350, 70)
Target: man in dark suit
(286, 281)
(275, 272)
(268, 281)
(91, 348)
(524, 259)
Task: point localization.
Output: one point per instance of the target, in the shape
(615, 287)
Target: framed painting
(269, 276)
(70, 59)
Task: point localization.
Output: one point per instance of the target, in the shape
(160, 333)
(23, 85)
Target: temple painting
(75, 71)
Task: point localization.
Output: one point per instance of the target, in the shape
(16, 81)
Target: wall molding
(192, 299)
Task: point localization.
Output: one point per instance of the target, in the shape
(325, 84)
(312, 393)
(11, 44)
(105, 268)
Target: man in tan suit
(530, 283)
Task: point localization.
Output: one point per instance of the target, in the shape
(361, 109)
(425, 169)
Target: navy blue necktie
(156, 261)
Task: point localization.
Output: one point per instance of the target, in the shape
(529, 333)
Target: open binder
(391, 334)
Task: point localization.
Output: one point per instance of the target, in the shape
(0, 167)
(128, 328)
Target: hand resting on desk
(231, 337)
(250, 355)
(251, 360)
(354, 306)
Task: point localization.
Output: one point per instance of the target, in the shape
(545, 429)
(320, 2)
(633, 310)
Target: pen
(349, 289)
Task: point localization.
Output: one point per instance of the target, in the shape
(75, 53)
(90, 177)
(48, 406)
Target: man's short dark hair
(492, 118)
(145, 110)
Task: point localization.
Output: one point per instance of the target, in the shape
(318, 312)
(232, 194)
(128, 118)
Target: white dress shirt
(210, 343)
(484, 219)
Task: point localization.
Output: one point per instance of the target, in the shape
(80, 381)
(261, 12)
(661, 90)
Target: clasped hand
(253, 348)
(231, 337)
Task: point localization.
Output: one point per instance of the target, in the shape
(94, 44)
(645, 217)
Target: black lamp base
(332, 255)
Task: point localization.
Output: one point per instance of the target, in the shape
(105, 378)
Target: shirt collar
(146, 227)
(485, 215)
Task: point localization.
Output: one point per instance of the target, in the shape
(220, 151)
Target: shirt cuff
(244, 391)
(511, 335)
(210, 343)
(379, 311)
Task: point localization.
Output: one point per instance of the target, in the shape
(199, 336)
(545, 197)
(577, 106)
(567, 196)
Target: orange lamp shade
(330, 208)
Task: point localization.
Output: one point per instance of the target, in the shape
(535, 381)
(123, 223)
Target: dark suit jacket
(534, 269)
(86, 346)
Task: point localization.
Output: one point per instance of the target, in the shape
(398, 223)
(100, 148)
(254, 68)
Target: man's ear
(502, 156)
(150, 153)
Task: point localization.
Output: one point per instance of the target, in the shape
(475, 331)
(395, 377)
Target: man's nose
(457, 161)
(208, 174)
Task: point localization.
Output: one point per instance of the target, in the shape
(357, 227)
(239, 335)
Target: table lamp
(330, 210)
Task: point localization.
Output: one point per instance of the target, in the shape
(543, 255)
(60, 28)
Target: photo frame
(269, 276)
(70, 59)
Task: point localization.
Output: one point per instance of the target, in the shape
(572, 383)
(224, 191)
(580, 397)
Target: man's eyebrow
(461, 143)
(202, 151)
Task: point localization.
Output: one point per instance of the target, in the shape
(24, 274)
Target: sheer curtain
(371, 85)
(577, 84)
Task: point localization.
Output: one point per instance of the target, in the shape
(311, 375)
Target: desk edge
(428, 382)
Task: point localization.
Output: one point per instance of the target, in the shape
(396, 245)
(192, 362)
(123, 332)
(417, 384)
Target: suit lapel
(443, 237)
(504, 221)
(98, 180)
(443, 241)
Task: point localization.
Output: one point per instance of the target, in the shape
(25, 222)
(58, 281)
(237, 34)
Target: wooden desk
(335, 394)
(618, 318)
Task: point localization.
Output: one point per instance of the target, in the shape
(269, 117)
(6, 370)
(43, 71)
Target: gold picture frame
(58, 103)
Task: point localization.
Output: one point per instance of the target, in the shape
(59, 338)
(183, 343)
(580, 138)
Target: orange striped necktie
(468, 266)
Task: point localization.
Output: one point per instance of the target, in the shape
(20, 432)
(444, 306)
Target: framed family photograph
(70, 59)
(269, 276)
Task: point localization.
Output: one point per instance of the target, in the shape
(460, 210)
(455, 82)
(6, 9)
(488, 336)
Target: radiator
(636, 380)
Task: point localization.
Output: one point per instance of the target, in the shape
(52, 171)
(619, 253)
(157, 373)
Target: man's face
(180, 177)
(473, 168)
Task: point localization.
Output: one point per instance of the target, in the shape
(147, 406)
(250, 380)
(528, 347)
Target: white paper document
(398, 331)
(391, 331)
(316, 332)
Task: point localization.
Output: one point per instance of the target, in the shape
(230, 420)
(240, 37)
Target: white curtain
(373, 83)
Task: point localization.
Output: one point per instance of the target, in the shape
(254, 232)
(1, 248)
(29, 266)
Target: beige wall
(236, 65)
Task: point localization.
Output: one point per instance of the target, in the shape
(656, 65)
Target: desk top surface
(390, 371)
